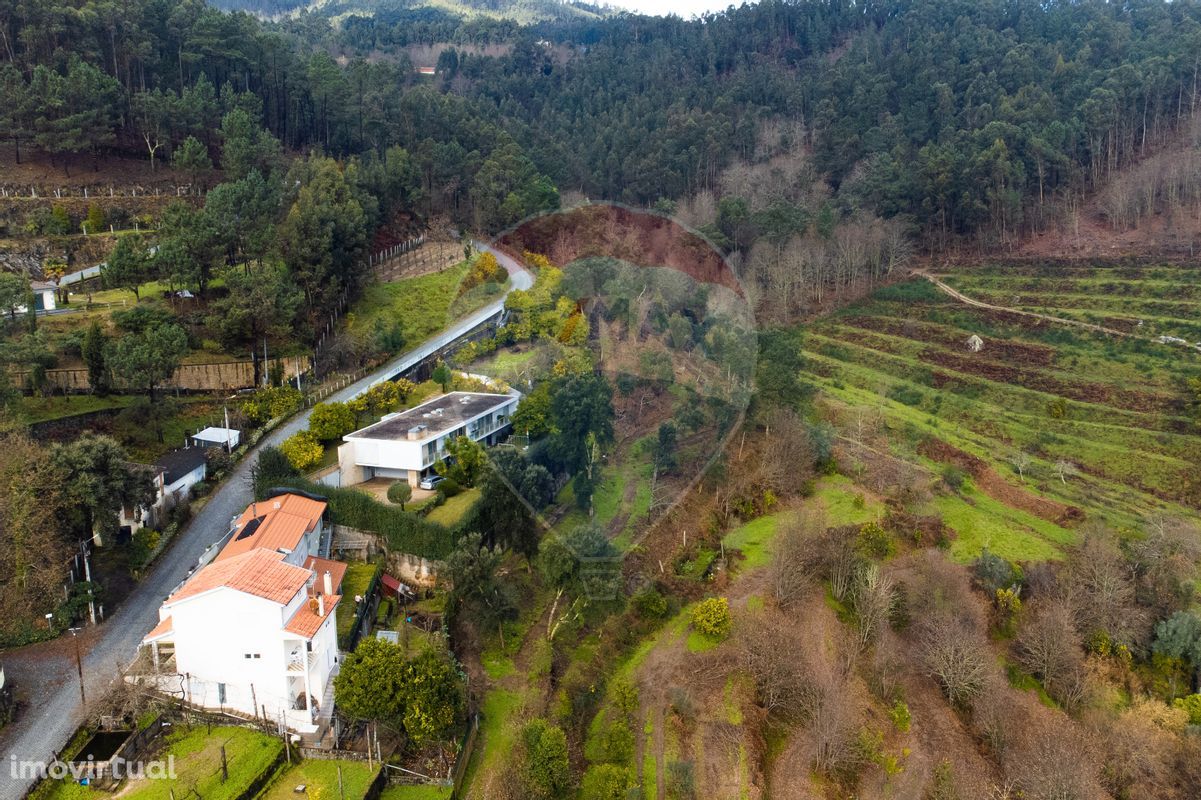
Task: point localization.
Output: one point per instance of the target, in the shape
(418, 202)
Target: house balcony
(300, 662)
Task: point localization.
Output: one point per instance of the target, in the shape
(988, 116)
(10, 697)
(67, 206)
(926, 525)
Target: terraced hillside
(1054, 424)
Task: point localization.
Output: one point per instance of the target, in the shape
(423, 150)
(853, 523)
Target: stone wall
(365, 545)
(213, 377)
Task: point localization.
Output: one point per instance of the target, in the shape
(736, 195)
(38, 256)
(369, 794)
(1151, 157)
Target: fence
(395, 250)
(365, 612)
(44, 192)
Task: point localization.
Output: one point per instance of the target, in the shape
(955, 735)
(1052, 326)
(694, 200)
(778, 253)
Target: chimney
(329, 583)
(321, 605)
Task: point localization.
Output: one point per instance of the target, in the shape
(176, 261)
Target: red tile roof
(319, 565)
(279, 524)
(306, 621)
(163, 628)
(261, 573)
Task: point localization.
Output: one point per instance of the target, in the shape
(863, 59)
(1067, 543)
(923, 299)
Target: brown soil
(638, 237)
(1000, 349)
(996, 487)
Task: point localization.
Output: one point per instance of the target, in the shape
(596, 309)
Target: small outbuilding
(975, 344)
(226, 438)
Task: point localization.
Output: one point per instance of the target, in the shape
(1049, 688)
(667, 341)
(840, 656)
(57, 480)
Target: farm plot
(1154, 301)
(1051, 422)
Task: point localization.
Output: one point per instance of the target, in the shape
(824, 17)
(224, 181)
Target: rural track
(45, 675)
(1089, 326)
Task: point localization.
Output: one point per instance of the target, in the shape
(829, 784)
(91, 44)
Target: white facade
(166, 497)
(378, 451)
(254, 629)
(232, 650)
(44, 297)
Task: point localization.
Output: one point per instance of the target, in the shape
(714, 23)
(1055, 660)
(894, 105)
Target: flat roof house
(254, 631)
(406, 445)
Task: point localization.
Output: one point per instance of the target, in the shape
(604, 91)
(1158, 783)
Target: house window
(221, 693)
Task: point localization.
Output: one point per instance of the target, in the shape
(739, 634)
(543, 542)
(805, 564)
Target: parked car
(431, 482)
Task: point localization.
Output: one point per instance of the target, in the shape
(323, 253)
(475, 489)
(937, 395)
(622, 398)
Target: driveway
(43, 674)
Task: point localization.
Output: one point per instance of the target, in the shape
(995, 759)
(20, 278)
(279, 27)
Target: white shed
(975, 343)
(218, 437)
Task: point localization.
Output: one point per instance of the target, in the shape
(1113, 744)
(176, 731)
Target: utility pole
(83, 698)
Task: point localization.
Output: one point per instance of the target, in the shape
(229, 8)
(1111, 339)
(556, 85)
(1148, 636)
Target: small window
(258, 655)
(221, 693)
(246, 655)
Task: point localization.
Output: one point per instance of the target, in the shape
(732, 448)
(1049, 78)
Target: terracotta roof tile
(165, 627)
(306, 620)
(277, 523)
(337, 570)
(261, 573)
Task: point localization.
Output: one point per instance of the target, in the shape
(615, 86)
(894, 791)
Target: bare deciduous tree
(791, 574)
(955, 655)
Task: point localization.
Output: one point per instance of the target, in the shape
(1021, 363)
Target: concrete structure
(255, 630)
(44, 297)
(217, 437)
(174, 475)
(405, 446)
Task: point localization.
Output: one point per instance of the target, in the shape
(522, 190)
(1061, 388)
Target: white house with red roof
(254, 630)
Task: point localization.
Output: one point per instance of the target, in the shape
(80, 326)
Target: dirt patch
(996, 487)
(1035, 380)
(637, 237)
(1001, 349)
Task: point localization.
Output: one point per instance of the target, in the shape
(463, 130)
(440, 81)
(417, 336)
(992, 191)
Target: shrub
(449, 487)
(303, 450)
(650, 603)
(607, 782)
(271, 403)
(618, 742)
(712, 617)
(331, 421)
(1191, 705)
(954, 477)
(899, 714)
(547, 766)
(873, 540)
(400, 493)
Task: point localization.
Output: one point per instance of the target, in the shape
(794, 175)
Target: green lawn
(356, 582)
(196, 754)
(417, 793)
(422, 306)
(42, 409)
(455, 508)
(844, 504)
(322, 776)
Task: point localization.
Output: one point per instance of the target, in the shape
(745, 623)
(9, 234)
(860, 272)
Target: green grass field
(1112, 407)
(321, 778)
(422, 306)
(455, 508)
(196, 755)
(355, 582)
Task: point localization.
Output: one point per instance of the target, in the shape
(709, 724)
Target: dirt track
(950, 292)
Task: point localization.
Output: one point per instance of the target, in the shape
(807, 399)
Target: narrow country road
(44, 675)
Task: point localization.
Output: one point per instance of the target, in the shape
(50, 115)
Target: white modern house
(405, 446)
(174, 475)
(254, 631)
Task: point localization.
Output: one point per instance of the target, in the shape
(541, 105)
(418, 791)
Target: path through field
(963, 298)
